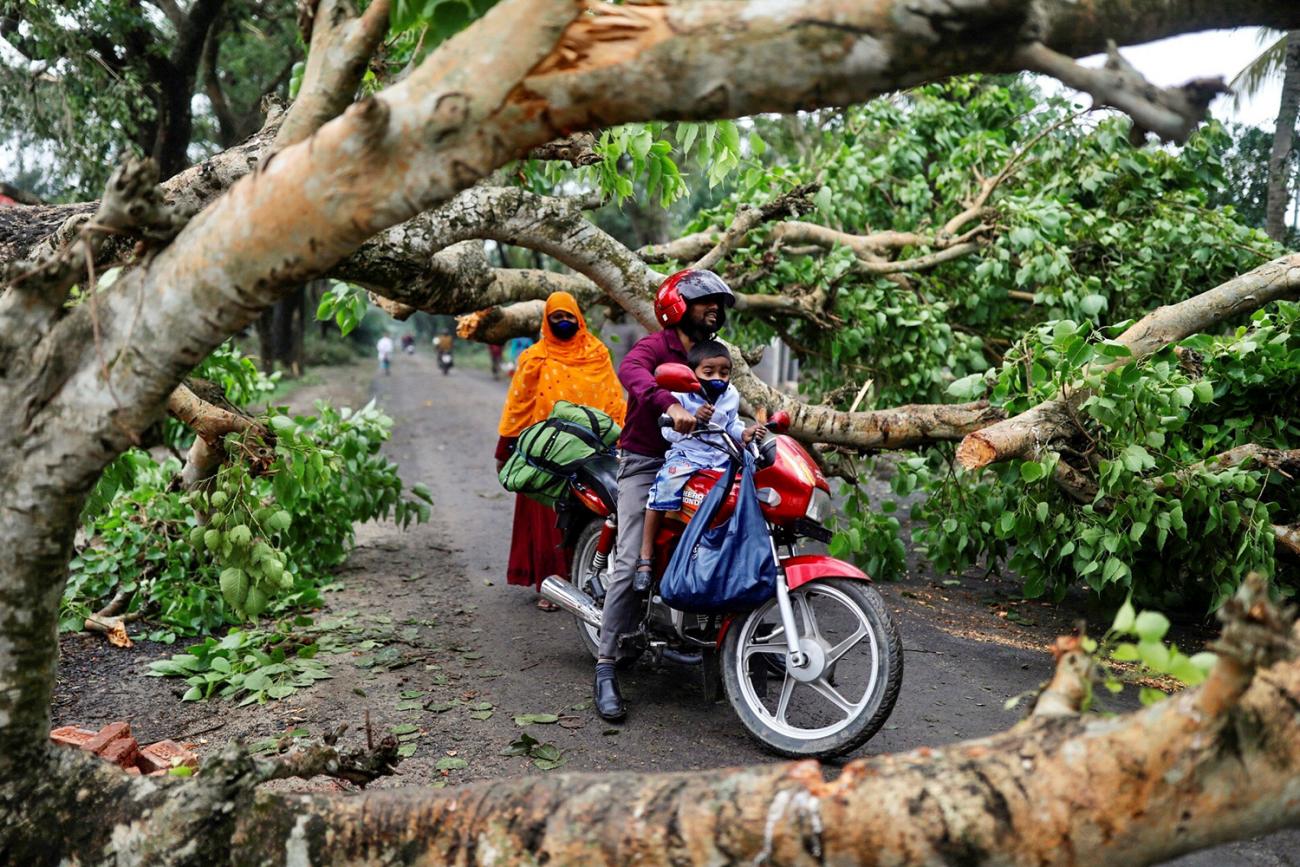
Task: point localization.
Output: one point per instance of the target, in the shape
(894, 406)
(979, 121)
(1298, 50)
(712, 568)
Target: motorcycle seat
(600, 474)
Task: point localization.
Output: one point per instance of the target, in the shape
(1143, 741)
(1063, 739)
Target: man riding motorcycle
(691, 306)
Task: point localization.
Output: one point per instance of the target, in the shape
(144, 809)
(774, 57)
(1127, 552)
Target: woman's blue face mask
(564, 329)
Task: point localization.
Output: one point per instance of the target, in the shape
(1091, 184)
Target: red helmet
(686, 286)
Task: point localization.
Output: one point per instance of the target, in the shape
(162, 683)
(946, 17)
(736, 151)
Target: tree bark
(1279, 192)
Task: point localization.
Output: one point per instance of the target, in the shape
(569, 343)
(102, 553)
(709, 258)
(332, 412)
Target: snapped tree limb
(1033, 431)
(1171, 113)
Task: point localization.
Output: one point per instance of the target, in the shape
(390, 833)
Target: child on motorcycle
(719, 404)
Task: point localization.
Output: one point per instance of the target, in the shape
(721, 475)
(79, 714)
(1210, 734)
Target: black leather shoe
(608, 700)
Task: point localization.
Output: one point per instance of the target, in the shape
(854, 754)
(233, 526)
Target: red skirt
(535, 550)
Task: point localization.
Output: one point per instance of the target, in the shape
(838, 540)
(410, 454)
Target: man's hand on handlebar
(754, 433)
(683, 421)
(704, 414)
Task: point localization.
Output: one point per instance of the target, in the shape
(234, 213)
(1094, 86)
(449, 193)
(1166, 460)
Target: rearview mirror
(677, 377)
(779, 422)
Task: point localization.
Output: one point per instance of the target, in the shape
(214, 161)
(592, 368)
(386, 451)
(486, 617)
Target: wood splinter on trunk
(113, 628)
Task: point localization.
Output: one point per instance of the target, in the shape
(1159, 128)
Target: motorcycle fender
(799, 571)
(809, 567)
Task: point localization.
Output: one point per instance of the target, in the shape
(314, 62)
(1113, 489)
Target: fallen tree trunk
(899, 427)
(1029, 434)
(1208, 765)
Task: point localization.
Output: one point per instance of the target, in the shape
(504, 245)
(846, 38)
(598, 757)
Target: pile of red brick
(114, 743)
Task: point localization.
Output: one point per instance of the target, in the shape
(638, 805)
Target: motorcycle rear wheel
(855, 652)
(584, 551)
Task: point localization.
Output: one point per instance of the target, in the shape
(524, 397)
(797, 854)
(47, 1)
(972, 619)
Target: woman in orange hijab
(570, 363)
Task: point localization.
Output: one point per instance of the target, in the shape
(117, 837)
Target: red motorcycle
(816, 670)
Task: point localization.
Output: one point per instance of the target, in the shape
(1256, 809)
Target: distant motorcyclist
(692, 306)
(443, 343)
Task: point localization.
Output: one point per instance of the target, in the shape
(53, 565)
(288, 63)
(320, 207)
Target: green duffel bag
(547, 453)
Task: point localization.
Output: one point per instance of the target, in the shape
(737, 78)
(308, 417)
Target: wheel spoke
(765, 648)
(846, 645)
(831, 694)
(783, 703)
(806, 612)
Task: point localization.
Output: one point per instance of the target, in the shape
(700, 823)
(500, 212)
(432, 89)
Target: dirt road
(475, 653)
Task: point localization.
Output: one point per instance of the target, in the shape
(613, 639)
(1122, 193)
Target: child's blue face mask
(713, 388)
(564, 329)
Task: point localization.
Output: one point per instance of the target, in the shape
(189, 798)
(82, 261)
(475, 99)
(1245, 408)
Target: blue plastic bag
(728, 567)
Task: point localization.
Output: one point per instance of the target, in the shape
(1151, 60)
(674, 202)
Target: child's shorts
(666, 491)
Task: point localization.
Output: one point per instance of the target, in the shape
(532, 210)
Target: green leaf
(404, 729)
(442, 706)
(234, 586)
(1154, 655)
(1124, 618)
(536, 719)
(1091, 305)
(1150, 696)
(406, 750)
(823, 200)
(1125, 651)
(1151, 625)
(451, 763)
(1031, 471)
(968, 387)
(1136, 458)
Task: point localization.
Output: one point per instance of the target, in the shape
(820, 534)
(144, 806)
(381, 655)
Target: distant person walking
(385, 349)
(570, 363)
(494, 354)
(514, 349)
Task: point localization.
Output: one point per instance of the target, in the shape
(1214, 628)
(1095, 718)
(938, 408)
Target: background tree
(84, 83)
(1280, 59)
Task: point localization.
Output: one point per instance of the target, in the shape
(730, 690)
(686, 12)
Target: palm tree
(1281, 57)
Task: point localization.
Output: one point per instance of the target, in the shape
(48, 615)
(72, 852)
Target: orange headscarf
(577, 370)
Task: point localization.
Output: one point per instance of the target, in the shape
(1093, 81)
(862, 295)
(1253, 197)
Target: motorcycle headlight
(819, 506)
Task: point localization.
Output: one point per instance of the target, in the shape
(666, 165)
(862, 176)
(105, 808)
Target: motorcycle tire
(745, 676)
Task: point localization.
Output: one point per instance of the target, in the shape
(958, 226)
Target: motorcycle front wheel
(842, 697)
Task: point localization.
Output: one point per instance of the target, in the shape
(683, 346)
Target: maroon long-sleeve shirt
(646, 401)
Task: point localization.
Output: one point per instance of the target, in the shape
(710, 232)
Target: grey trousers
(622, 607)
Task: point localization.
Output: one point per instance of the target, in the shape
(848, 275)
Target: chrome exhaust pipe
(571, 599)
